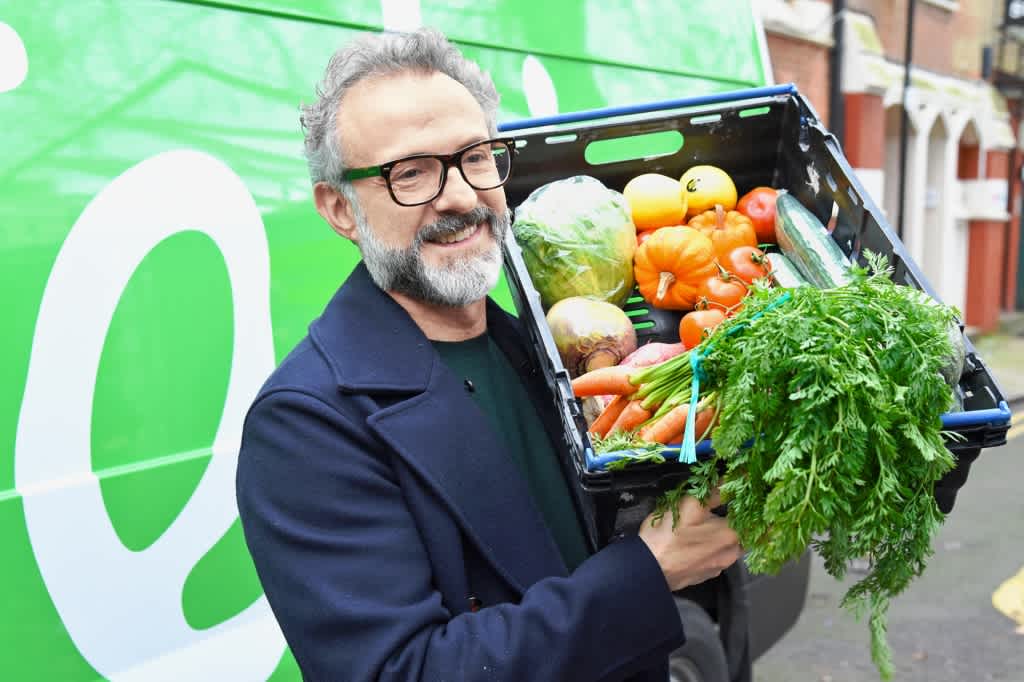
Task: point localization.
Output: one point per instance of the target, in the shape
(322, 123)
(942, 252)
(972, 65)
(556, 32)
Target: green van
(160, 254)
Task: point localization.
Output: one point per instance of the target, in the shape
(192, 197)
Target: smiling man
(406, 505)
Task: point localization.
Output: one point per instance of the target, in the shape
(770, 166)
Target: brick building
(960, 210)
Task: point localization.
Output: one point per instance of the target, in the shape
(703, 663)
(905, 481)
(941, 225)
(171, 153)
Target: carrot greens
(829, 434)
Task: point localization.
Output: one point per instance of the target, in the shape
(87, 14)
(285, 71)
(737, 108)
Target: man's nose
(456, 196)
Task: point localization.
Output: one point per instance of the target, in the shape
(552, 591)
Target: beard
(459, 280)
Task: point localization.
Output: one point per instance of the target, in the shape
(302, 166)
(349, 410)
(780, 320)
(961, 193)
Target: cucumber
(784, 272)
(803, 239)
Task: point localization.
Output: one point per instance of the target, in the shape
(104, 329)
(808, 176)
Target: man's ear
(336, 210)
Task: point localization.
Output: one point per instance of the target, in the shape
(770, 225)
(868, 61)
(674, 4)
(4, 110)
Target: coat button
(474, 604)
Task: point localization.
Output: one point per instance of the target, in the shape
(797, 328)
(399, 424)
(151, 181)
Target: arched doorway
(943, 256)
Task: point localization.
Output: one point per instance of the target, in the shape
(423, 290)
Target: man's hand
(700, 546)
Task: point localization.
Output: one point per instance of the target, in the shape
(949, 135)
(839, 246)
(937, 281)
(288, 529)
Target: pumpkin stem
(667, 279)
(720, 216)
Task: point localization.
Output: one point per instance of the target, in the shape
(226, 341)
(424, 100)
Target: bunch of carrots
(651, 402)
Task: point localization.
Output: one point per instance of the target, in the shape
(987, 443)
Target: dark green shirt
(499, 392)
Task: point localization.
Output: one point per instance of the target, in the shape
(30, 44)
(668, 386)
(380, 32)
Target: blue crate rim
(998, 416)
(527, 124)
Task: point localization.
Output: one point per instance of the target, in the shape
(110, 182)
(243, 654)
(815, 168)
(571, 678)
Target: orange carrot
(668, 427)
(671, 425)
(604, 381)
(633, 415)
(607, 418)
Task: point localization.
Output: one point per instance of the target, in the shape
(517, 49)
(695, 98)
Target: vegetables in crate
(759, 205)
(805, 241)
(704, 186)
(655, 201)
(578, 239)
(830, 432)
(671, 265)
(726, 229)
(590, 334)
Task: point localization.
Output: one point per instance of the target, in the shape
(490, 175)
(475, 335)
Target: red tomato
(726, 290)
(759, 205)
(697, 324)
(747, 263)
(641, 237)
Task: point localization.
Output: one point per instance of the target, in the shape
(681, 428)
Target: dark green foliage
(830, 434)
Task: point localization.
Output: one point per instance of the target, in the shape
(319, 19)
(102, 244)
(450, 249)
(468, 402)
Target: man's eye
(477, 157)
(407, 174)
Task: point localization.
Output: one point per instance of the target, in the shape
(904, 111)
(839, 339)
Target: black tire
(702, 657)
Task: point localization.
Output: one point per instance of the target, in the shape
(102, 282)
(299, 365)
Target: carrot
(668, 426)
(604, 381)
(633, 415)
(607, 418)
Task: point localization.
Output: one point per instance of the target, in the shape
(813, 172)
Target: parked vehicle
(161, 253)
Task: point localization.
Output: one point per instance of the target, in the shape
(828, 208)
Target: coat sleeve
(349, 580)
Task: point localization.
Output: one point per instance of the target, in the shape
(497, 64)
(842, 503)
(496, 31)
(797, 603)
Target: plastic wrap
(578, 239)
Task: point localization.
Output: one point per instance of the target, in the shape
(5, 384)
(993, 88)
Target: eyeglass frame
(447, 161)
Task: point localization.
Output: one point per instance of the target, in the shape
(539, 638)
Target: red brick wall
(805, 64)
(865, 135)
(987, 258)
(935, 30)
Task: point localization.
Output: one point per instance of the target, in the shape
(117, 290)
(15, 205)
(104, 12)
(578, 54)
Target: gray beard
(458, 281)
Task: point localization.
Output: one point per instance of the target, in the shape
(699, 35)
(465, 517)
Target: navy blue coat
(396, 539)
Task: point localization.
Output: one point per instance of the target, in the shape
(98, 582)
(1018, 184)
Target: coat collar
(366, 361)
(466, 465)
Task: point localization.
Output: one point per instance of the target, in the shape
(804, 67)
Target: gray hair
(377, 54)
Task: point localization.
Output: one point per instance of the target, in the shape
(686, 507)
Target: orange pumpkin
(671, 264)
(727, 230)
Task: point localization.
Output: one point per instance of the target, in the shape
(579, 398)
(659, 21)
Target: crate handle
(648, 107)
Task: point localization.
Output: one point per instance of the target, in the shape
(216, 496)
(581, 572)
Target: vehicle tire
(702, 657)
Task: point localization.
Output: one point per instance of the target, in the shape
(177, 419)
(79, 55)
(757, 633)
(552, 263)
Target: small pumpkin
(727, 229)
(670, 266)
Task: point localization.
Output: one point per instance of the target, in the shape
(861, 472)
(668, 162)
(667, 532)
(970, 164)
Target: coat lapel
(436, 428)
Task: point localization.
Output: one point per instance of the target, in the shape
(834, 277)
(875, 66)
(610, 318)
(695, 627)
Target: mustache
(451, 224)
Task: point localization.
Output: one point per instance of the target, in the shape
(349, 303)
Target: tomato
(643, 236)
(759, 205)
(748, 263)
(697, 324)
(724, 289)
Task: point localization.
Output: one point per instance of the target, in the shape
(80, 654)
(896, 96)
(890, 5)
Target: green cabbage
(578, 239)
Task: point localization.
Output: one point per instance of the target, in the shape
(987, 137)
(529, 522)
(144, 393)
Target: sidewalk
(1003, 353)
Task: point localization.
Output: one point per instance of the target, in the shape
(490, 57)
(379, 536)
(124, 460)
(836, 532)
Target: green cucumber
(784, 272)
(803, 239)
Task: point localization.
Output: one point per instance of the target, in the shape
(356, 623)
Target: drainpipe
(836, 104)
(908, 55)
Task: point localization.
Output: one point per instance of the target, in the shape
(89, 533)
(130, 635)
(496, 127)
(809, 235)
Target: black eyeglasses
(419, 179)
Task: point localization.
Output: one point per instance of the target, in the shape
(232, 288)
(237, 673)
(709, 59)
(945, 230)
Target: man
(400, 494)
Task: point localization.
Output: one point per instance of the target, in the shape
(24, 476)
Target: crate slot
(634, 147)
(560, 139)
(756, 111)
(706, 119)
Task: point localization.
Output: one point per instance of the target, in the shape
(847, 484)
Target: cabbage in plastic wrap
(578, 239)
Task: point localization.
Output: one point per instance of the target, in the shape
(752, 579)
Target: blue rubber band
(688, 447)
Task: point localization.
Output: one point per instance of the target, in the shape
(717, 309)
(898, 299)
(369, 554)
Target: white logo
(541, 97)
(122, 608)
(13, 58)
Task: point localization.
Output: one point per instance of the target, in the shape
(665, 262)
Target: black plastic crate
(764, 136)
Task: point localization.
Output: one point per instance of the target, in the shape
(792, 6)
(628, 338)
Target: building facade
(957, 207)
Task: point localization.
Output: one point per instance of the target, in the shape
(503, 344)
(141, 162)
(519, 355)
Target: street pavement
(954, 623)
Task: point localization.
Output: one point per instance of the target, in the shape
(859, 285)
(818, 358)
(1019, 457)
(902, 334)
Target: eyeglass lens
(484, 166)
